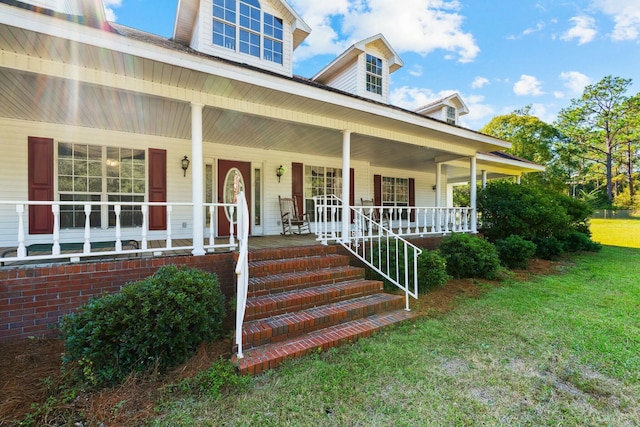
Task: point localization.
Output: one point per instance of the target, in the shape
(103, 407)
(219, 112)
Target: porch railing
(163, 240)
(242, 268)
(371, 241)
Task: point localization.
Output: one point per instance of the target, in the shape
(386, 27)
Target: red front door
(227, 170)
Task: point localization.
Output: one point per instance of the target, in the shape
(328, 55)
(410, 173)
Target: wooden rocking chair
(293, 222)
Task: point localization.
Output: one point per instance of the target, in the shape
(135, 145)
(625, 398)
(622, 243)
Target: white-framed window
(374, 75)
(241, 26)
(395, 192)
(451, 115)
(100, 174)
(321, 181)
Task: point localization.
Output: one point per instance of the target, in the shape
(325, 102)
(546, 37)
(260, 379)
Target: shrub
(154, 323)
(469, 256)
(515, 252)
(576, 241)
(431, 269)
(548, 248)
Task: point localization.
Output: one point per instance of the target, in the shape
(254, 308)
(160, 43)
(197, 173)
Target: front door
(227, 170)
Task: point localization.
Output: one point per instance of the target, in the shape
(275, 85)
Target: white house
(96, 120)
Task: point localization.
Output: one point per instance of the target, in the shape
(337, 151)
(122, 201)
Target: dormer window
(374, 74)
(246, 27)
(451, 115)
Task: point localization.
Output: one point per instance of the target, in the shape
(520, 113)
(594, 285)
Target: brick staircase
(303, 299)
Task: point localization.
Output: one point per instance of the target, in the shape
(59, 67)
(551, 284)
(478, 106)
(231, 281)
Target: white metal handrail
(377, 246)
(117, 233)
(242, 268)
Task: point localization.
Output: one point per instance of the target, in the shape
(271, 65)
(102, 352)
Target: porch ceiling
(55, 80)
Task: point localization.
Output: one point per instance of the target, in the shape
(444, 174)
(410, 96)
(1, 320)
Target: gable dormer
(447, 109)
(262, 33)
(363, 69)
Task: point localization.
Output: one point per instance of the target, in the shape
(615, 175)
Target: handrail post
(55, 249)
(117, 209)
(87, 229)
(22, 250)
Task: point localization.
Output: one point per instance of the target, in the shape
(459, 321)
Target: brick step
(292, 252)
(285, 282)
(307, 263)
(301, 299)
(285, 326)
(270, 356)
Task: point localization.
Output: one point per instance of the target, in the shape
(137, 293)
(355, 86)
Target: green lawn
(616, 232)
(557, 350)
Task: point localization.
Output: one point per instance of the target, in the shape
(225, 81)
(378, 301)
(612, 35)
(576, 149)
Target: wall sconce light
(280, 171)
(185, 165)
(434, 188)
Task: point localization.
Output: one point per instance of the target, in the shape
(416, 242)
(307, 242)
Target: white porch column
(473, 181)
(484, 178)
(518, 180)
(346, 177)
(197, 179)
(438, 185)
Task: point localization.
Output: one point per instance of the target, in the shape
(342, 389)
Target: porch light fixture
(280, 171)
(185, 165)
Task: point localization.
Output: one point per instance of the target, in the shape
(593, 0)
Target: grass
(555, 350)
(617, 232)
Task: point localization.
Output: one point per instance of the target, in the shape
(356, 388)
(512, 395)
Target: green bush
(549, 248)
(431, 269)
(515, 252)
(469, 256)
(154, 323)
(576, 241)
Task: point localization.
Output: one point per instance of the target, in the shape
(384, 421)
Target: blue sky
(499, 55)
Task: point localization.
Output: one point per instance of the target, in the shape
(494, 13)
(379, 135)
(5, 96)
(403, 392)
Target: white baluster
(55, 249)
(117, 209)
(231, 229)
(145, 213)
(87, 229)
(212, 239)
(22, 250)
(169, 242)
(424, 219)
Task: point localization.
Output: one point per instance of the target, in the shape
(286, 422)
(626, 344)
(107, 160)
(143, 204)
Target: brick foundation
(34, 298)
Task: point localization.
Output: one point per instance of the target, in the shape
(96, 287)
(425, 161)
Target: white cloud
(427, 25)
(109, 5)
(479, 112)
(626, 15)
(558, 95)
(528, 85)
(584, 29)
(479, 82)
(541, 112)
(416, 71)
(575, 81)
(412, 98)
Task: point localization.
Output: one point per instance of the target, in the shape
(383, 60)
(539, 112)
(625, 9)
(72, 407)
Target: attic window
(451, 115)
(238, 26)
(374, 75)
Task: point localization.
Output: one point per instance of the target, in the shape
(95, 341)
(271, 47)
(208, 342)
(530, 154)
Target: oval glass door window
(232, 186)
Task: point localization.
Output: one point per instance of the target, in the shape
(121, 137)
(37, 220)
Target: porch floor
(255, 242)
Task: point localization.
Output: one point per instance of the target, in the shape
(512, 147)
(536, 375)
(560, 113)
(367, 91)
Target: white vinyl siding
(347, 80)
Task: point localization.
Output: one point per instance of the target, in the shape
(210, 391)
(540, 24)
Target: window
(273, 38)
(243, 21)
(321, 181)
(451, 115)
(374, 74)
(94, 173)
(395, 192)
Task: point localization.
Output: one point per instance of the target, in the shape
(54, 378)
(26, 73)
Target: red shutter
(40, 181)
(377, 190)
(412, 197)
(157, 188)
(297, 184)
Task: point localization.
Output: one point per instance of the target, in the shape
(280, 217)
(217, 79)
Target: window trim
(373, 74)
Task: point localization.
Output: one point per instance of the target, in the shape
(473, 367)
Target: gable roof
(187, 15)
(350, 55)
(453, 100)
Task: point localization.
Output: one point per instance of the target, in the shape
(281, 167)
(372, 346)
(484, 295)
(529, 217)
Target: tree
(531, 139)
(595, 127)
